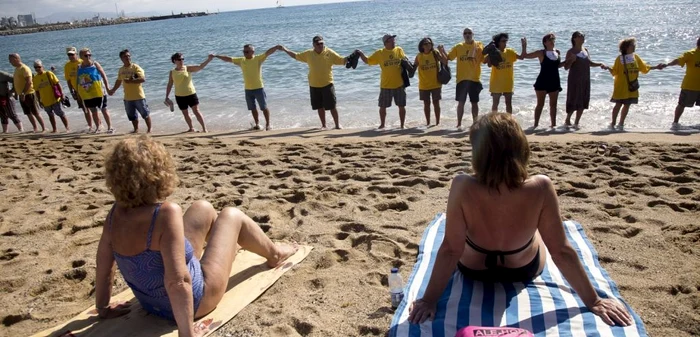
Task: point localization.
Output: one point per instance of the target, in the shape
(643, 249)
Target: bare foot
(135, 131)
(284, 251)
(338, 127)
(381, 127)
(54, 131)
(192, 130)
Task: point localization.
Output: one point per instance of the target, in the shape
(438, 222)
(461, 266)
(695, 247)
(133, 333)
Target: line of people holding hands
(90, 87)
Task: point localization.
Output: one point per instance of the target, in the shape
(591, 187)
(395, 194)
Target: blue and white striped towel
(547, 306)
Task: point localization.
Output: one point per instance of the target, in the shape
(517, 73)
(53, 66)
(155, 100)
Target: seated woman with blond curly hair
(159, 251)
(500, 220)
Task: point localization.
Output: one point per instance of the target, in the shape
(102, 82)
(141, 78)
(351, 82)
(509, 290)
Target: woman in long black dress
(578, 86)
(548, 82)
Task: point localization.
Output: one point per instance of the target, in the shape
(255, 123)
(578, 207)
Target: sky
(42, 8)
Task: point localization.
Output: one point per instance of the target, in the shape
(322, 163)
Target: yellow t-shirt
(427, 72)
(320, 66)
(20, 79)
(620, 84)
(182, 79)
(469, 60)
(252, 70)
(390, 63)
(502, 78)
(691, 61)
(70, 71)
(132, 91)
(43, 83)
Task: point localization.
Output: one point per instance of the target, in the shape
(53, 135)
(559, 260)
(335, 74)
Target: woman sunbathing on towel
(158, 250)
(500, 220)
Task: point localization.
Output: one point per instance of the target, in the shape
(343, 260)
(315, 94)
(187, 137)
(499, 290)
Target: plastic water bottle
(395, 287)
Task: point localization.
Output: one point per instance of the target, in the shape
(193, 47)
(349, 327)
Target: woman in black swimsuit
(548, 82)
(507, 218)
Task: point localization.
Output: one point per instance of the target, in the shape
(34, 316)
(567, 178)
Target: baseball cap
(386, 37)
(70, 50)
(318, 38)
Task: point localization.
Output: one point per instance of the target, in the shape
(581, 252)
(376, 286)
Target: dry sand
(362, 199)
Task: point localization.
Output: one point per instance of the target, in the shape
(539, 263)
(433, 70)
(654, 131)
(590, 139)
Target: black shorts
(323, 98)
(97, 102)
(7, 110)
(688, 98)
(184, 102)
(28, 104)
(468, 88)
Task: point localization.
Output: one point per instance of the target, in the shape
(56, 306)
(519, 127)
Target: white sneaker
(675, 126)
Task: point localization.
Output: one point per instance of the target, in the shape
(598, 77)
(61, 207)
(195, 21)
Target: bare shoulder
(540, 181)
(170, 209)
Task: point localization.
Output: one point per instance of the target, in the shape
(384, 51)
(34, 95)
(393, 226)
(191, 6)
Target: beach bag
(444, 75)
(631, 85)
(478, 331)
(494, 56)
(56, 86)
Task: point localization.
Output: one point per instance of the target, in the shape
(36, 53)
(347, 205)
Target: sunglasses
(87, 55)
(37, 68)
(319, 43)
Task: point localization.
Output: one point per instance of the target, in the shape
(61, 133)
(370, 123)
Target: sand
(362, 199)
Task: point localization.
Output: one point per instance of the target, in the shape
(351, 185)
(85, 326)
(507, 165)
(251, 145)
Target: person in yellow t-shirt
(469, 58)
(251, 67)
(70, 70)
(690, 87)
(626, 71)
(427, 62)
(391, 87)
(44, 83)
(185, 93)
(24, 89)
(133, 78)
(502, 79)
(321, 60)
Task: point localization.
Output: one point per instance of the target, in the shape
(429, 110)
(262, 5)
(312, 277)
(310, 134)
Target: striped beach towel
(547, 306)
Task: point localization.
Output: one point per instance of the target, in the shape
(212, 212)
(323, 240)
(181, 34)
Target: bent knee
(202, 203)
(231, 212)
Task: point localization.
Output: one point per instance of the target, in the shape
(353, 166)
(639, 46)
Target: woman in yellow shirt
(185, 93)
(625, 72)
(502, 80)
(428, 85)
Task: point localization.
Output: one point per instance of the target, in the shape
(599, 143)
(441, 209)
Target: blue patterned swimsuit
(145, 275)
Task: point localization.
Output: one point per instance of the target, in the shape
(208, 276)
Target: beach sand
(362, 199)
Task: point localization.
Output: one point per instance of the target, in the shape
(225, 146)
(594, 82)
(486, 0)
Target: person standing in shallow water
(548, 82)
(625, 72)
(24, 91)
(502, 81)
(7, 106)
(469, 58)
(428, 63)
(44, 83)
(70, 71)
(690, 88)
(185, 93)
(91, 78)
(133, 78)
(321, 60)
(578, 85)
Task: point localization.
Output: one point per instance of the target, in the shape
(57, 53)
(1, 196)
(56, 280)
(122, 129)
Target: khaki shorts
(435, 93)
(688, 98)
(397, 95)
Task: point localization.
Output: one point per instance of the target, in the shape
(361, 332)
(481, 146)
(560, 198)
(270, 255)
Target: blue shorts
(256, 94)
(55, 110)
(139, 105)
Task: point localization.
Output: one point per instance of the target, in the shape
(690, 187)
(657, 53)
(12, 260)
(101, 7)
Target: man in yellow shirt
(469, 58)
(70, 71)
(133, 78)
(690, 87)
(502, 79)
(24, 89)
(251, 67)
(391, 85)
(44, 83)
(321, 61)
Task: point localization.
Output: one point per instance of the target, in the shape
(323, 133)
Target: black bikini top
(493, 255)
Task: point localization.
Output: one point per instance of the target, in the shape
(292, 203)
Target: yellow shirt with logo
(427, 72)
(20, 79)
(502, 78)
(469, 58)
(132, 91)
(252, 70)
(70, 71)
(320, 66)
(691, 61)
(620, 83)
(43, 83)
(390, 63)
(182, 79)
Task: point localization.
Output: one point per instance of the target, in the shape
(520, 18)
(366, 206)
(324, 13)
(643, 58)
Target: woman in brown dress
(578, 92)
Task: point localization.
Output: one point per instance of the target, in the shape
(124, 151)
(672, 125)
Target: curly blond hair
(140, 172)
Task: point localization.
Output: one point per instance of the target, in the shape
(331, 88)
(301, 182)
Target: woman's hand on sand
(114, 310)
(612, 312)
(201, 328)
(421, 311)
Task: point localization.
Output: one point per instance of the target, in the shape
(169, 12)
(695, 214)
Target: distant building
(26, 20)
(8, 22)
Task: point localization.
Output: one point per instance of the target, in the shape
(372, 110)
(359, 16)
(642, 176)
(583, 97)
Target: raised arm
(525, 55)
(194, 69)
(447, 257)
(674, 62)
(170, 84)
(224, 58)
(104, 277)
(272, 50)
(566, 259)
(442, 55)
(363, 57)
(178, 282)
(289, 52)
